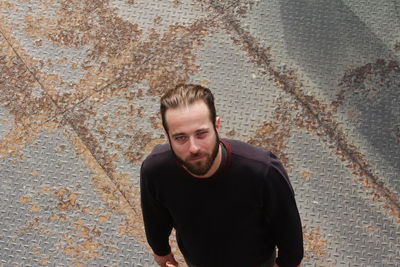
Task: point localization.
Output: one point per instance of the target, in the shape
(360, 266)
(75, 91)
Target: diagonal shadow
(326, 38)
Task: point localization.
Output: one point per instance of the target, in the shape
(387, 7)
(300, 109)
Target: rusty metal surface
(315, 82)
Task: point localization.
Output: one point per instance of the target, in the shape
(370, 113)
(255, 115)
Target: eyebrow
(178, 134)
(197, 131)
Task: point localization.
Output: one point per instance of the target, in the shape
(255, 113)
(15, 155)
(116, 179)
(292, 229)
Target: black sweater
(234, 218)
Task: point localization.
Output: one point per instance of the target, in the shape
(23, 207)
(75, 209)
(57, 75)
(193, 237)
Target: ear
(166, 135)
(217, 123)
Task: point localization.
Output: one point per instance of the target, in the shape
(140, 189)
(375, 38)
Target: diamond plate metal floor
(315, 82)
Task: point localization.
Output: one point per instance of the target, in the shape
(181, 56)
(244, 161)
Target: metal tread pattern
(316, 82)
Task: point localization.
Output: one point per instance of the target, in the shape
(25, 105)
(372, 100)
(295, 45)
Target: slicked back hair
(184, 95)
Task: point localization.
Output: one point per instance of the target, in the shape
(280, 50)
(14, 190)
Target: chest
(216, 203)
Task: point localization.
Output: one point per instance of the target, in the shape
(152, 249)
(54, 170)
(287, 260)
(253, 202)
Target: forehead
(188, 118)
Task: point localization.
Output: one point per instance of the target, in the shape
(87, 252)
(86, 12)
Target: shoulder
(161, 155)
(249, 152)
(261, 161)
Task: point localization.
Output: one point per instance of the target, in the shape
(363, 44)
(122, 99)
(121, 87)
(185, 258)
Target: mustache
(196, 155)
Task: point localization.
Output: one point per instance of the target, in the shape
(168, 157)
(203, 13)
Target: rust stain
(44, 190)
(53, 218)
(60, 148)
(66, 199)
(314, 244)
(6, 5)
(29, 226)
(103, 218)
(83, 243)
(86, 210)
(177, 2)
(35, 252)
(306, 174)
(35, 208)
(28, 107)
(44, 260)
(272, 135)
(306, 111)
(62, 217)
(358, 79)
(86, 247)
(25, 199)
(110, 195)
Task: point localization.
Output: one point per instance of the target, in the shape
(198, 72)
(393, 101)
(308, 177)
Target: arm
(282, 213)
(157, 220)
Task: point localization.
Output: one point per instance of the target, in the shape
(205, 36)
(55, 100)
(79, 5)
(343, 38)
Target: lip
(197, 158)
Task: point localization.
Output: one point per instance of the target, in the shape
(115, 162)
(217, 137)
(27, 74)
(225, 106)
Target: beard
(201, 167)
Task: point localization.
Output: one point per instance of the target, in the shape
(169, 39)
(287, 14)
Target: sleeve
(157, 220)
(283, 215)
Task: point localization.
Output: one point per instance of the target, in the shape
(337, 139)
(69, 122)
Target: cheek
(179, 149)
(207, 144)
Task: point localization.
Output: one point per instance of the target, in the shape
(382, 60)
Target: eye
(180, 138)
(202, 134)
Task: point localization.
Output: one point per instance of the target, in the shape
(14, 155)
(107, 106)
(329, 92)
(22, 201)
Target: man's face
(193, 138)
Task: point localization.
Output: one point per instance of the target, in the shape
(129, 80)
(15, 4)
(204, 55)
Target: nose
(193, 147)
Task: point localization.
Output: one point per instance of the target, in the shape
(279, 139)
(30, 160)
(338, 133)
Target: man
(230, 203)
